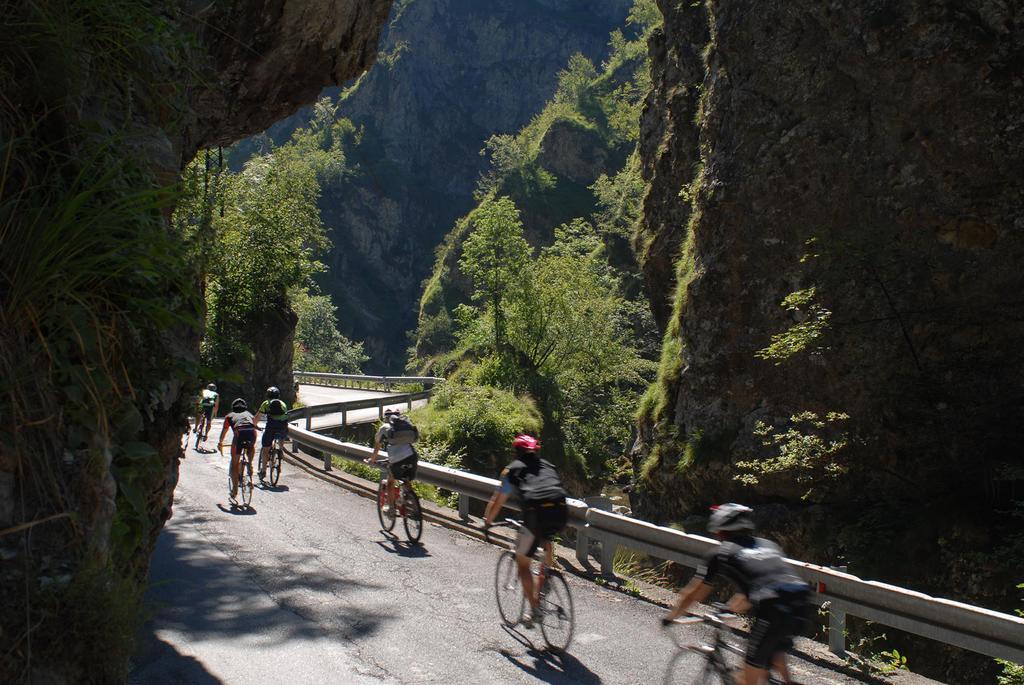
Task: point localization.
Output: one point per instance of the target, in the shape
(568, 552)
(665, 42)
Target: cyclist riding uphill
(206, 408)
(777, 596)
(243, 429)
(396, 434)
(533, 484)
(276, 412)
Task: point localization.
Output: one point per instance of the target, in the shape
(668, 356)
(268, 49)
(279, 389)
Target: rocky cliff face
(870, 151)
(88, 468)
(451, 74)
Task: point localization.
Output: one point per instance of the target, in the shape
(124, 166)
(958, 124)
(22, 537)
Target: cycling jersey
(396, 453)
(281, 413)
(532, 481)
(243, 426)
(779, 596)
(756, 566)
(209, 398)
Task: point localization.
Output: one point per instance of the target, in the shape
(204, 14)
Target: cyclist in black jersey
(243, 428)
(776, 595)
(534, 484)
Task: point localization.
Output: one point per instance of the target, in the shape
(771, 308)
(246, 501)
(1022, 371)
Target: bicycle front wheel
(245, 484)
(275, 466)
(557, 620)
(507, 589)
(387, 518)
(412, 516)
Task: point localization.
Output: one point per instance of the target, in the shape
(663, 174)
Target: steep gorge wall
(186, 75)
(872, 151)
(451, 74)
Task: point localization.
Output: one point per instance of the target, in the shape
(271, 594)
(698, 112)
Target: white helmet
(731, 517)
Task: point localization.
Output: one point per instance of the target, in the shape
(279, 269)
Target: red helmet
(526, 443)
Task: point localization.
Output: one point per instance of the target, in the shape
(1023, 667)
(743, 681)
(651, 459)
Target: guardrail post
(837, 626)
(309, 419)
(344, 418)
(410, 403)
(583, 546)
(380, 410)
(607, 547)
(463, 506)
(327, 461)
(837, 632)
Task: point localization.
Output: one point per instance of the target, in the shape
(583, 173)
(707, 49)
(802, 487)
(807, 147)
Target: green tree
(575, 80)
(495, 257)
(319, 345)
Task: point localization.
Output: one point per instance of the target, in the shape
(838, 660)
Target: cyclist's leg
(767, 638)
(265, 442)
(781, 667)
(525, 546)
(234, 467)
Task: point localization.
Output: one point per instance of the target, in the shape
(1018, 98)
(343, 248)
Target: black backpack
(401, 431)
(276, 407)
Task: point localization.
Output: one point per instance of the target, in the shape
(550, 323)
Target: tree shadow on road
(409, 550)
(208, 593)
(159, 663)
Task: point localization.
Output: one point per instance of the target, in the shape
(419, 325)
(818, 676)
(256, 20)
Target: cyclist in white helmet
(776, 595)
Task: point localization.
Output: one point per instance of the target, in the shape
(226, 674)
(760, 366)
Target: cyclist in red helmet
(534, 484)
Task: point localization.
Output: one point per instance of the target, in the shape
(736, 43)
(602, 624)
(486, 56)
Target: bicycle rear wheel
(275, 465)
(387, 519)
(245, 484)
(507, 589)
(557, 620)
(412, 515)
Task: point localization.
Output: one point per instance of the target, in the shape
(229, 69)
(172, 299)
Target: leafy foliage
(1013, 674)
(805, 334)
(804, 449)
(257, 234)
(476, 422)
(319, 345)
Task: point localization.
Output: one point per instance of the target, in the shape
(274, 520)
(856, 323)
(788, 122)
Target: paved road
(316, 394)
(305, 588)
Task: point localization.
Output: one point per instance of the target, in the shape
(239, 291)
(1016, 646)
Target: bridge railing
(307, 413)
(962, 625)
(355, 380)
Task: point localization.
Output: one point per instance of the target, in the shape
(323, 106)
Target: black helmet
(273, 392)
(239, 405)
(211, 386)
(731, 518)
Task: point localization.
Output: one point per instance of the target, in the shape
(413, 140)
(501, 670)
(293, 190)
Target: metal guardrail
(379, 403)
(355, 380)
(962, 625)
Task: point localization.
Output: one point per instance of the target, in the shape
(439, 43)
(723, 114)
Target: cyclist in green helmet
(206, 408)
(276, 411)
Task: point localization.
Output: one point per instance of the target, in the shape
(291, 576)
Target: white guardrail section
(962, 625)
(344, 380)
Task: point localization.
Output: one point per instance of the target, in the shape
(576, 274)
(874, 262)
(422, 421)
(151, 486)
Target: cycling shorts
(776, 622)
(541, 522)
(245, 437)
(405, 469)
(207, 411)
(274, 429)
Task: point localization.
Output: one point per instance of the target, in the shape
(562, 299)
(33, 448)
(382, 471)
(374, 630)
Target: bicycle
(407, 505)
(274, 458)
(557, 617)
(202, 429)
(713, 650)
(245, 486)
